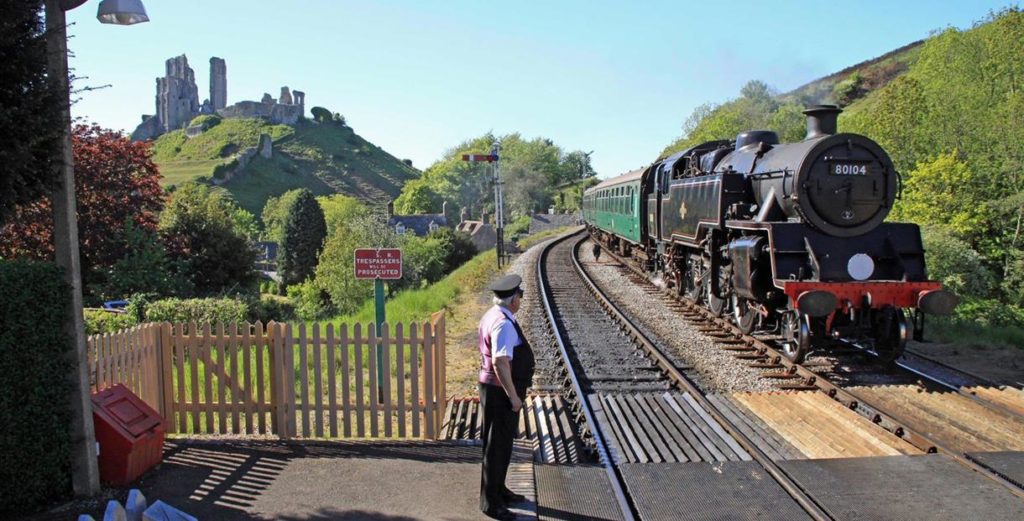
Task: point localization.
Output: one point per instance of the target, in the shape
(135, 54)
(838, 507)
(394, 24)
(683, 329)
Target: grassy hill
(859, 80)
(324, 157)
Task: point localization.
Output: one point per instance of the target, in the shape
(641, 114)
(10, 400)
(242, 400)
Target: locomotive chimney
(821, 120)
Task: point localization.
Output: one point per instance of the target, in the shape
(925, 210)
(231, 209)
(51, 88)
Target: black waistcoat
(522, 364)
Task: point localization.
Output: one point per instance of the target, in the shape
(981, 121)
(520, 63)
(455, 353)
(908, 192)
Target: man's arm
(503, 370)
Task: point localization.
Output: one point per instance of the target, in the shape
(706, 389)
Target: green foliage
(418, 304)
(34, 405)
(340, 209)
(934, 193)
(335, 271)
(198, 310)
(29, 108)
(531, 171)
(222, 140)
(520, 226)
(206, 121)
(848, 90)
(309, 301)
(953, 262)
(99, 321)
(198, 226)
(321, 115)
(275, 212)
(223, 169)
(144, 268)
(271, 308)
(302, 238)
(756, 108)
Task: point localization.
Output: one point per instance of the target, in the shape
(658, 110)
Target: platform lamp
(85, 478)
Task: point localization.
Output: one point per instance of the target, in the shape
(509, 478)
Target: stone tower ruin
(218, 83)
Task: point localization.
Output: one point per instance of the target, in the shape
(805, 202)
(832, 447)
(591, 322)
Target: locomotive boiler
(787, 238)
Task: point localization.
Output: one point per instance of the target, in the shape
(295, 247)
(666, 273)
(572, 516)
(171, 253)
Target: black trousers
(499, 429)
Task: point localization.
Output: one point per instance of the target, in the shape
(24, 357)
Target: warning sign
(384, 263)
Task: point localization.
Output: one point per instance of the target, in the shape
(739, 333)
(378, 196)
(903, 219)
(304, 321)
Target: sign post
(499, 196)
(379, 264)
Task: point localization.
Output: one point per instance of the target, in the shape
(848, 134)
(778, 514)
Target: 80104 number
(845, 169)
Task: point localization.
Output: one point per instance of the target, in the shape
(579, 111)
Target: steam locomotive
(788, 239)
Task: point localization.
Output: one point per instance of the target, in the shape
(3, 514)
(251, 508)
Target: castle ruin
(177, 101)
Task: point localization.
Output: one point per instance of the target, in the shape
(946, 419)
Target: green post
(378, 297)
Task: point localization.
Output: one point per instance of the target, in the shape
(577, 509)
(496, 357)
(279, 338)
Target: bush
(954, 263)
(34, 412)
(222, 170)
(198, 310)
(99, 321)
(321, 115)
(309, 301)
(302, 238)
(271, 308)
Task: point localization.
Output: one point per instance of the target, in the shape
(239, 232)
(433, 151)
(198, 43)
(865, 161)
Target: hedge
(98, 321)
(198, 310)
(34, 390)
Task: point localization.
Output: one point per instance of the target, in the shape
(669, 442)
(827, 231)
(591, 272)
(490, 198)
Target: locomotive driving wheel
(891, 332)
(718, 304)
(694, 277)
(796, 332)
(747, 318)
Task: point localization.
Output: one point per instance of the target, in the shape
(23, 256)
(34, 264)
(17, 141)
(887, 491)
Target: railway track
(908, 399)
(633, 402)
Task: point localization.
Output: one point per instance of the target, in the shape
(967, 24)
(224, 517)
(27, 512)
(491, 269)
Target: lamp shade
(122, 12)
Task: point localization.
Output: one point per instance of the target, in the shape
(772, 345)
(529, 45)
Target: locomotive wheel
(797, 332)
(716, 304)
(720, 305)
(746, 318)
(694, 280)
(891, 332)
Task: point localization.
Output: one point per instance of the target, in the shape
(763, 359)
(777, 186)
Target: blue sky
(417, 77)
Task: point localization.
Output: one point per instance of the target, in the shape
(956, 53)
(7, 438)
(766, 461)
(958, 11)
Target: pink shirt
(497, 337)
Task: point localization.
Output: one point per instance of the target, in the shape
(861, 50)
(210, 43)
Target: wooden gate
(304, 380)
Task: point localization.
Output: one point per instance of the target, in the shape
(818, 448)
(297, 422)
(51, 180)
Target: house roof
(419, 224)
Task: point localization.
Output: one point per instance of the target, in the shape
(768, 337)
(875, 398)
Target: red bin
(130, 435)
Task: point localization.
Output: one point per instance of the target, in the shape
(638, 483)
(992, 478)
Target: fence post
(275, 378)
(440, 387)
(166, 375)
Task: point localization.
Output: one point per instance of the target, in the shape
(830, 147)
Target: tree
(29, 108)
(340, 209)
(302, 238)
(145, 268)
(198, 228)
(115, 181)
(335, 269)
(274, 214)
(321, 115)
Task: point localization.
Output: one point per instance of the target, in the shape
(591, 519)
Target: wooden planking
(428, 383)
(192, 374)
(222, 384)
(372, 375)
(414, 372)
(346, 394)
(233, 349)
(360, 409)
(304, 380)
(332, 384)
(400, 376)
(318, 387)
(386, 369)
(258, 341)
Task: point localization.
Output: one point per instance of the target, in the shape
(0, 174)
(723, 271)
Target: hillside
(858, 80)
(324, 157)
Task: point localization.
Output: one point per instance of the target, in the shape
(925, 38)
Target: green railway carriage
(613, 206)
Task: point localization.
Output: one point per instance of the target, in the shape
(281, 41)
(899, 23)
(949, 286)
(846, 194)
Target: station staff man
(506, 371)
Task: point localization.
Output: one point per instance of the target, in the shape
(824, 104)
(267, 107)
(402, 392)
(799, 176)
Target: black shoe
(512, 497)
(500, 513)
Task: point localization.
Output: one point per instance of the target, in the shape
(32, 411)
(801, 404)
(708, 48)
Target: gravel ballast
(716, 369)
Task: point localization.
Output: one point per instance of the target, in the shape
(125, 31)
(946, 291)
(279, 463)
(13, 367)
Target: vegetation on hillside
(951, 124)
(324, 157)
(531, 170)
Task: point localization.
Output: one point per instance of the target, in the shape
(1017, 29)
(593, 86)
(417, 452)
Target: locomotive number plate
(848, 169)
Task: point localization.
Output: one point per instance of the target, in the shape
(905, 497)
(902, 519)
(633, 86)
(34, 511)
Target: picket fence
(308, 381)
